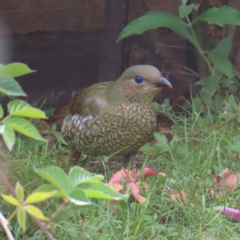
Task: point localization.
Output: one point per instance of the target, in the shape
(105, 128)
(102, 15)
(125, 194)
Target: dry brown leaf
(225, 182)
(175, 194)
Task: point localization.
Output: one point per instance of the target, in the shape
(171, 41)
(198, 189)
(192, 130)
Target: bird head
(140, 83)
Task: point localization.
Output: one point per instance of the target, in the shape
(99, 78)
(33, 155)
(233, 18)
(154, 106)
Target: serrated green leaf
(35, 212)
(210, 84)
(10, 199)
(50, 188)
(8, 137)
(162, 142)
(56, 176)
(21, 217)
(100, 190)
(78, 175)
(221, 63)
(24, 127)
(19, 192)
(1, 111)
(15, 70)
(220, 16)
(78, 197)
(23, 109)
(225, 46)
(40, 196)
(185, 10)
(10, 87)
(157, 19)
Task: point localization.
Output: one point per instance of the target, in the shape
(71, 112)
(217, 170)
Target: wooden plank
(111, 57)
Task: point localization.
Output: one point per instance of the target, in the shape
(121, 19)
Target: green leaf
(40, 196)
(56, 176)
(15, 70)
(19, 192)
(220, 16)
(49, 188)
(184, 10)
(197, 102)
(78, 175)
(23, 109)
(10, 87)
(100, 190)
(149, 149)
(206, 98)
(221, 63)
(35, 212)
(226, 82)
(1, 111)
(24, 127)
(225, 46)
(157, 19)
(10, 199)
(78, 197)
(8, 137)
(162, 142)
(218, 101)
(21, 217)
(210, 84)
(235, 146)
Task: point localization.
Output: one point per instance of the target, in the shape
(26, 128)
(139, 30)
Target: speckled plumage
(114, 117)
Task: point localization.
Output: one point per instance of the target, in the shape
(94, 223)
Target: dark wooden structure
(112, 53)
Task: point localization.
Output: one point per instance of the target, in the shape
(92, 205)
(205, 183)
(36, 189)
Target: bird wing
(90, 100)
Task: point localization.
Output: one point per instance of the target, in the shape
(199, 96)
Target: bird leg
(132, 159)
(73, 156)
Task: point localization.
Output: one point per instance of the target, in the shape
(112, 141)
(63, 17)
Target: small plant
(222, 79)
(77, 187)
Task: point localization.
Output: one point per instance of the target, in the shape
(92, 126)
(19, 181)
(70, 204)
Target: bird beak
(163, 82)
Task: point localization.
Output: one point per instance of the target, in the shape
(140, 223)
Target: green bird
(115, 117)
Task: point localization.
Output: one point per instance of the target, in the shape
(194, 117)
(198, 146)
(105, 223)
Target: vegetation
(205, 141)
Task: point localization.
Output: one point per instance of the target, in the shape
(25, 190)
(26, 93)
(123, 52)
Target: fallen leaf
(225, 182)
(128, 179)
(135, 192)
(148, 172)
(116, 186)
(175, 194)
(232, 212)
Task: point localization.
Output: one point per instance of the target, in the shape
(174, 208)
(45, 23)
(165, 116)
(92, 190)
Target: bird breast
(120, 129)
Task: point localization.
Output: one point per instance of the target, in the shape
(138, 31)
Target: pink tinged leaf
(232, 212)
(148, 172)
(120, 175)
(116, 186)
(135, 192)
(117, 177)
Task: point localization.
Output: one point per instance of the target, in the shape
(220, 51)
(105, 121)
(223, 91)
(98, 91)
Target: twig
(4, 222)
(6, 181)
(44, 229)
(57, 211)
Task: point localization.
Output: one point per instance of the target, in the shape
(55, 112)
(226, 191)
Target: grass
(196, 153)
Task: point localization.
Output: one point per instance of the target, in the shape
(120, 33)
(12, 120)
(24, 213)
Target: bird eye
(138, 79)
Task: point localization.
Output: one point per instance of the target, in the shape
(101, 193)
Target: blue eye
(138, 79)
